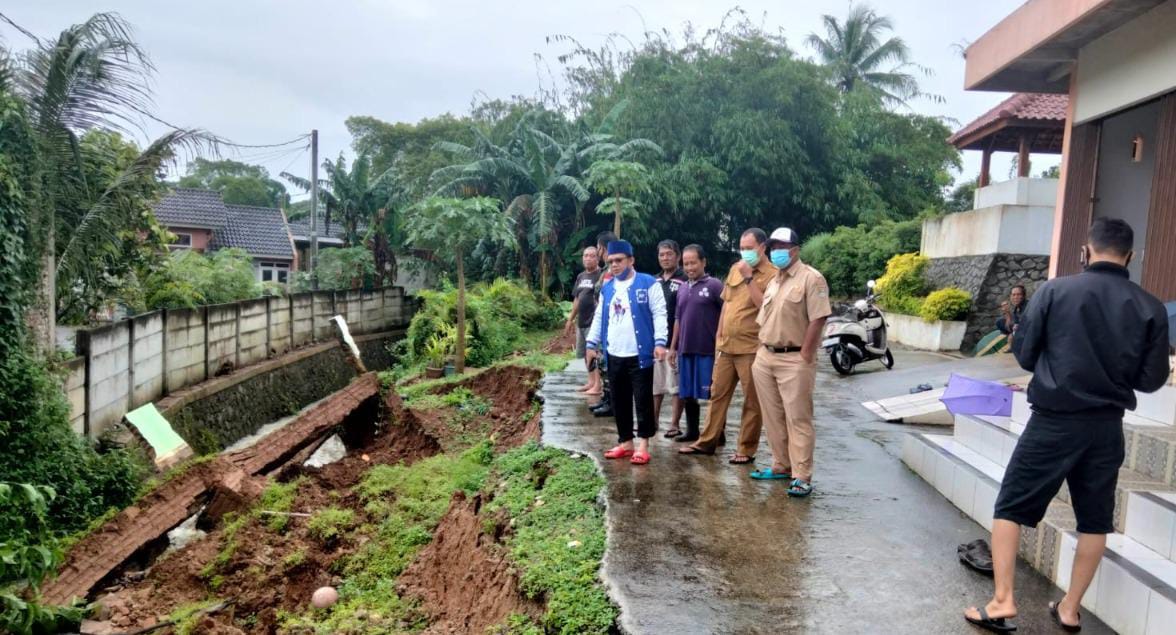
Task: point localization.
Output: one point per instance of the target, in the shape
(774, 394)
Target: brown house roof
(1040, 117)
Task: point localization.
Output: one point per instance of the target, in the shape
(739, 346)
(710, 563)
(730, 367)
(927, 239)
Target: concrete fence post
(269, 325)
(82, 348)
(163, 353)
(130, 364)
(237, 335)
(204, 310)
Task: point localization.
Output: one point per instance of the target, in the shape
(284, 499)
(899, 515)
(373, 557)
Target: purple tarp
(967, 396)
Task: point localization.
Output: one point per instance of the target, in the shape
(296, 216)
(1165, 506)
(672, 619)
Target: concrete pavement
(695, 546)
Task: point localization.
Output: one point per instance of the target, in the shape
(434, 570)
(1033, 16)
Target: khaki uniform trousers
(728, 370)
(784, 382)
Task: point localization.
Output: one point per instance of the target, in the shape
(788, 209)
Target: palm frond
(572, 186)
(106, 215)
(93, 75)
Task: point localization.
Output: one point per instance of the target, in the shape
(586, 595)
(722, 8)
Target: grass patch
(557, 545)
(329, 524)
(278, 497)
(406, 502)
(186, 617)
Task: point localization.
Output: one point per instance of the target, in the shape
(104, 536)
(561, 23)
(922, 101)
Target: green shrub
(849, 256)
(946, 304)
(191, 278)
(903, 285)
(497, 316)
(39, 447)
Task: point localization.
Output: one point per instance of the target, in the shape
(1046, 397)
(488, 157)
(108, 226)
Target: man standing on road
(735, 347)
(602, 408)
(583, 306)
(1082, 383)
(692, 347)
(629, 326)
(1011, 311)
(665, 377)
(792, 319)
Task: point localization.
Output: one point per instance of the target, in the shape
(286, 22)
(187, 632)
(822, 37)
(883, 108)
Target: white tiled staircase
(1134, 591)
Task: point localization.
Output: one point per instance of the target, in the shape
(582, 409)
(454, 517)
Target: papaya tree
(453, 226)
(622, 183)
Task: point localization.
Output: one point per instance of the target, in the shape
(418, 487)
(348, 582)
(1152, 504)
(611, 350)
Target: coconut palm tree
(92, 76)
(859, 57)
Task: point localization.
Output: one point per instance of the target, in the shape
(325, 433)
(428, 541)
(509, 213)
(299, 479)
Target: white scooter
(858, 336)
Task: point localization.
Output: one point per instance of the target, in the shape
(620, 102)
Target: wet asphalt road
(695, 546)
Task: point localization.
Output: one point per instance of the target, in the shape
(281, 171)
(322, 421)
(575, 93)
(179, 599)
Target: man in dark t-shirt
(584, 297)
(665, 377)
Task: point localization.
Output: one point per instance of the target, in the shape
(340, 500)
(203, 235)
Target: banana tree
(454, 226)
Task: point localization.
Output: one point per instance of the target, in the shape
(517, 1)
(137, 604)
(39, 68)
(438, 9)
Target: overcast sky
(266, 71)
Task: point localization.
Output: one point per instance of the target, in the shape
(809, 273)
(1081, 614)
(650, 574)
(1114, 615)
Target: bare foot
(594, 393)
(584, 388)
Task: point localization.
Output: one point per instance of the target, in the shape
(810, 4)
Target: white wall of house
(1019, 191)
(1131, 64)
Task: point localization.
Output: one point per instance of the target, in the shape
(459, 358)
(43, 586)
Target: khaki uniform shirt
(739, 328)
(793, 299)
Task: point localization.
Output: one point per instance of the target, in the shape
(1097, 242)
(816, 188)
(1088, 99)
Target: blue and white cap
(784, 235)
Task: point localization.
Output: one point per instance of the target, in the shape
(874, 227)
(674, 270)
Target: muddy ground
(462, 580)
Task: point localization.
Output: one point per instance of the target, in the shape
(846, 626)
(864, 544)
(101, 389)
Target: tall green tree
(239, 183)
(452, 227)
(860, 55)
(92, 76)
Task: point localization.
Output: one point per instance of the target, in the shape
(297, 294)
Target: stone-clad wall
(989, 279)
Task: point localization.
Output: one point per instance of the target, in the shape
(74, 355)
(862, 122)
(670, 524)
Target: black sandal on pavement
(992, 624)
(672, 432)
(1069, 628)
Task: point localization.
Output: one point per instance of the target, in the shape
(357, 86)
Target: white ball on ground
(324, 597)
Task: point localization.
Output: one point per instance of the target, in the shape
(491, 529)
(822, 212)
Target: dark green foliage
(18, 265)
(851, 256)
(40, 448)
(962, 197)
(238, 183)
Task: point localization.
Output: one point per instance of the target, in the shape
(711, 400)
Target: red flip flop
(618, 452)
(640, 458)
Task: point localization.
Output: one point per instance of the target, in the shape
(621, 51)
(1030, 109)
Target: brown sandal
(693, 449)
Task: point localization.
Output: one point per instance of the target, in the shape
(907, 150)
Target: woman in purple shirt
(692, 347)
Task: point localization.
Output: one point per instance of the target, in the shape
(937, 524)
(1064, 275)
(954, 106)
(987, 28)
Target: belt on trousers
(782, 349)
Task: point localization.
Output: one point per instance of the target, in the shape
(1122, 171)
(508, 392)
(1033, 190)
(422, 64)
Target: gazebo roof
(1038, 117)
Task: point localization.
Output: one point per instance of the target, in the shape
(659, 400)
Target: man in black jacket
(1091, 341)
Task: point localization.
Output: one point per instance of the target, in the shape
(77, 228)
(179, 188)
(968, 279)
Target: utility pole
(313, 209)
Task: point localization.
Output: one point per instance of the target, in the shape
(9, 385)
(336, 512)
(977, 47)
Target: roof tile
(1030, 106)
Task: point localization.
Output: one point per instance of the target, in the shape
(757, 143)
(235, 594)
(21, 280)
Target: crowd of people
(693, 337)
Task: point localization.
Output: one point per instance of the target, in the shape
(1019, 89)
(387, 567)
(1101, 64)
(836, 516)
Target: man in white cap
(791, 320)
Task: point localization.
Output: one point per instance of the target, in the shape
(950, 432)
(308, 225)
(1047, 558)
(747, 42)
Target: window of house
(274, 272)
(183, 241)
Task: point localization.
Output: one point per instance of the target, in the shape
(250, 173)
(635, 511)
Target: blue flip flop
(799, 488)
(766, 474)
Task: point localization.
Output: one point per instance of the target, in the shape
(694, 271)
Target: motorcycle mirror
(871, 284)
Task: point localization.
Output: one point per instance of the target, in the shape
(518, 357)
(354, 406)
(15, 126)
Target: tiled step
(1151, 521)
(994, 438)
(1150, 448)
(1135, 589)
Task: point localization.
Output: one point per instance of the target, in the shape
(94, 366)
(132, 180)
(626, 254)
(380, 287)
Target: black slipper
(671, 433)
(693, 450)
(1069, 628)
(977, 556)
(744, 461)
(993, 624)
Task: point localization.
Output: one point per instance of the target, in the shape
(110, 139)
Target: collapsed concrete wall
(169, 504)
(215, 414)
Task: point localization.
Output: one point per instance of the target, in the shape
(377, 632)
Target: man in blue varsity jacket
(629, 325)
